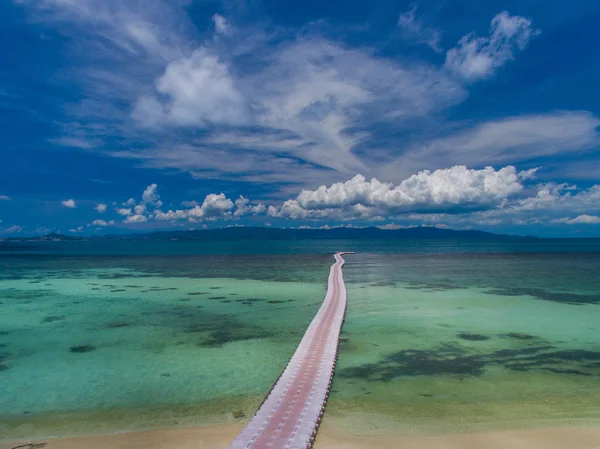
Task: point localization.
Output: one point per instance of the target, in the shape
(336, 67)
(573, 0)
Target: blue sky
(129, 115)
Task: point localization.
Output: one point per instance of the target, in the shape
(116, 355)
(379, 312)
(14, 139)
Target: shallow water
(434, 341)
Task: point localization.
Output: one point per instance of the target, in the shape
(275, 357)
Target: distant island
(261, 233)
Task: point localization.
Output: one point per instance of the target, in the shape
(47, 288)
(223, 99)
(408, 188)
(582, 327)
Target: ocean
(440, 335)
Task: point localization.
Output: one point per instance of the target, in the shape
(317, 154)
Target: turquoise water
(440, 335)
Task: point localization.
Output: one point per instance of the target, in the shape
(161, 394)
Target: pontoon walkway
(291, 414)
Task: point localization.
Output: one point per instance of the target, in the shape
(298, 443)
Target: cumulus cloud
(135, 219)
(243, 207)
(101, 208)
(580, 219)
(454, 189)
(198, 89)
(102, 223)
(69, 203)
(412, 29)
(214, 206)
(124, 211)
(478, 57)
(13, 229)
(150, 196)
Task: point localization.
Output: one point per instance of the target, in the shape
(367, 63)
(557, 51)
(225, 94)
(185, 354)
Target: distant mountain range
(257, 233)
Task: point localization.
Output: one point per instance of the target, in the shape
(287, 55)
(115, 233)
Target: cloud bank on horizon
(390, 115)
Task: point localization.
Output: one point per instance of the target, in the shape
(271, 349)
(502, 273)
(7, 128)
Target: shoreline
(333, 435)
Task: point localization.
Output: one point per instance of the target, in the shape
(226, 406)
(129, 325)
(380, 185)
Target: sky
(121, 116)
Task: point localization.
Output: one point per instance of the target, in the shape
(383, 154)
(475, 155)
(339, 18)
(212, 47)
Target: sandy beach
(332, 437)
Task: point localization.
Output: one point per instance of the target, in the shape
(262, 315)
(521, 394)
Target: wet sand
(332, 436)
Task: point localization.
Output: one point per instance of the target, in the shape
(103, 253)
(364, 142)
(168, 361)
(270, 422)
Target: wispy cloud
(478, 57)
(413, 29)
(75, 142)
(320, 95)
(506, 140)
(221, 24)
(5, 198)
(14, 229)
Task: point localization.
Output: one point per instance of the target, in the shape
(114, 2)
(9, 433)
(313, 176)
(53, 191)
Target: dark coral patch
(566, 298)
(520, 336)
(472, 337)
(456, 361)
(52, 318)
(82, 349)
(117, 324)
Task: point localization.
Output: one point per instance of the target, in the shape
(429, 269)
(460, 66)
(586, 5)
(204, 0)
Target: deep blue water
(145, 248)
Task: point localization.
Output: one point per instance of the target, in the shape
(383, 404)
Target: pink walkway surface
(291, 414)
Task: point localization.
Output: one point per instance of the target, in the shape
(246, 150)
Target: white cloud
(243, 207)
(199, 91)
(124, 211)
(478, 57)
(14, 229)
(5, 198)
(413, 29)
(135, 219)
(441, 189)
(213, 207)
(103, 223)
(129, 202)
(216, 204)
(580, 219)
(150, 196)
(69, 203)
(101, 208)
(221, 24)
